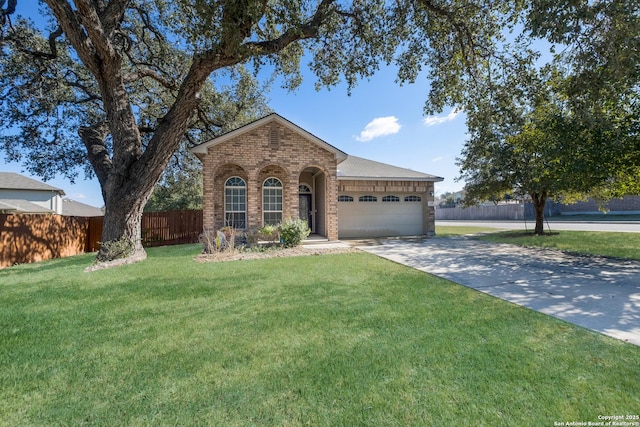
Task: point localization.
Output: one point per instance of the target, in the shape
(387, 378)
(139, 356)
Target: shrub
(293, 232)
(270, 233)
(224, 239)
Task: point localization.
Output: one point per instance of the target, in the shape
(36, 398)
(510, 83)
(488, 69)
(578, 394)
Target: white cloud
(435, 120)
(437, 159)
(380, 126)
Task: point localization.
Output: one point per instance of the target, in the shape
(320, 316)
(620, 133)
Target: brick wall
(271, 150)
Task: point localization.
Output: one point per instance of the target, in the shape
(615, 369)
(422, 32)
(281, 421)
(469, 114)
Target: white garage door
(361, 218)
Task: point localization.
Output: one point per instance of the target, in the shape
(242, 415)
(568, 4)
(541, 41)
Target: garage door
(380, 215)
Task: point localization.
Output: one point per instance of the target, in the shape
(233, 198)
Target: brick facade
(273, 147)
(271, 150)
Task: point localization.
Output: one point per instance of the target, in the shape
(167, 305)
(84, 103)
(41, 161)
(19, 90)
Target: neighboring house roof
(15, 181)
(21, 206)
(273, 117)
(357, 168)
(73, 208)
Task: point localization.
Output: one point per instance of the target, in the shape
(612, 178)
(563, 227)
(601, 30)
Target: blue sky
(380, 121)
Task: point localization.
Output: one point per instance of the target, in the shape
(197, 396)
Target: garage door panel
(376, 219)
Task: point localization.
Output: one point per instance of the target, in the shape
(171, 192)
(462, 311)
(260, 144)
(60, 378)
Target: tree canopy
(114, 87)
(565, 129)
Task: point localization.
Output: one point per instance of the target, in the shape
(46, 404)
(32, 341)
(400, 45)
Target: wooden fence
(171, 228)
(27, 238)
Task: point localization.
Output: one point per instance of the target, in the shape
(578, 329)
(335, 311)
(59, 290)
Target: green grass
(450, 231)
(336, 340)
(611, 244)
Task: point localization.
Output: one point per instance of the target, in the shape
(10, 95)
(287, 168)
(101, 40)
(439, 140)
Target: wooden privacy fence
(30, 238)
(171, 227)
(27, 238)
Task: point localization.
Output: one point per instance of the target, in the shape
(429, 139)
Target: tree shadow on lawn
(597, 293)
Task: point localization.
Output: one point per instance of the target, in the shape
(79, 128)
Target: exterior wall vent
(274, 137)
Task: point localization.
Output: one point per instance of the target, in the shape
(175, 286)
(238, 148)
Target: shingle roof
(73, 208)
(358, 168)
(15, 181)
(22, 206)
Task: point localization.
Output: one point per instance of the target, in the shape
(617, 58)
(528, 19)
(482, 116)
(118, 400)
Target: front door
(304, 208)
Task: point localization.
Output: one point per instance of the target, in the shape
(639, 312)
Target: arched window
(272, 201)
(304, 189)
(235, 203)
(391, 199)
(367, 199)
(413, 199)
(345, 198)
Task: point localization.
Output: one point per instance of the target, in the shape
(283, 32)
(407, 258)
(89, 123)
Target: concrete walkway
(597, 293)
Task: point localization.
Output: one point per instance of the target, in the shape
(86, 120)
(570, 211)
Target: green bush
(269, 232)
(293, 232)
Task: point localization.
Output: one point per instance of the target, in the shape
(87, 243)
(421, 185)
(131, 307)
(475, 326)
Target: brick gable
(270, 150)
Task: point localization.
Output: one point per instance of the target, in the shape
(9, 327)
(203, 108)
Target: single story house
(272, 169)
(20, 194)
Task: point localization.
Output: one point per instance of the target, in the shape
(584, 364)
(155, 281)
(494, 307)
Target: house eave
(384, 178)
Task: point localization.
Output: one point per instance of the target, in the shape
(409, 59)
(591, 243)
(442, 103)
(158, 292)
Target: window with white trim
(391, 199)
(272, 201)
(345, 198)
(367, 199)
(413, 199)
(235, 203)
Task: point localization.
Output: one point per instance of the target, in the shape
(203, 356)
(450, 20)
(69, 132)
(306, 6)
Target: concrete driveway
(597, 293)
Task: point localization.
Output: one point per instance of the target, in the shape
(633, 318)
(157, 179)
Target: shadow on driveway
(601, 294)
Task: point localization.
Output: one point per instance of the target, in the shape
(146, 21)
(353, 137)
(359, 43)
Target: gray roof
(358, 168)
(21, 206)
(73, 208)
(15, 181)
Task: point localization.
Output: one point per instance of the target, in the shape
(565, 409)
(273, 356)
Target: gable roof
(15, 181)
(357, 168)
(74, 208)
(21, 206)
(273, 117)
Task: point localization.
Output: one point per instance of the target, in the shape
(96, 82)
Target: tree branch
(112, 15)
(95, 30)
(147, 72)
(310, 29)
(94, 138)
(465, 38)
(72, 27)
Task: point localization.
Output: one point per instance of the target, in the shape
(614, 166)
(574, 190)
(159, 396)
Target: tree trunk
(539, 200)
(121, 229)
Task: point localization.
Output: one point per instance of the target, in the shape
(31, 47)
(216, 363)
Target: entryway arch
(312, 199)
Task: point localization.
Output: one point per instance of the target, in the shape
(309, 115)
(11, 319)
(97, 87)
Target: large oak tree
(115, 86)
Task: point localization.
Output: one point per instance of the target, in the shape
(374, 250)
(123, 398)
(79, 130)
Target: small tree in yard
(569, 129)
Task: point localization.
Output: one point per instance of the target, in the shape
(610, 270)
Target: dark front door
(305, 209)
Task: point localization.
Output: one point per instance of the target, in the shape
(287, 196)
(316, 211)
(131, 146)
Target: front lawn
(620, 245)
(456, 230)
(335, 340)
